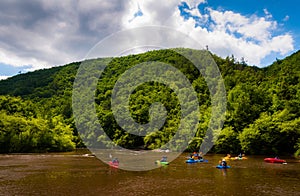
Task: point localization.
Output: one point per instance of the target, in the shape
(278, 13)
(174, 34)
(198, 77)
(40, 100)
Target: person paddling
(223, 163)
(240, 155)
(163, 159)
(115, 161)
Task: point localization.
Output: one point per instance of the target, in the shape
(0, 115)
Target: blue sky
(286, 13)
(42, 34)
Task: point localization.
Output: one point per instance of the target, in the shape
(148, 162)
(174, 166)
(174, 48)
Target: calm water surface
(75, 174)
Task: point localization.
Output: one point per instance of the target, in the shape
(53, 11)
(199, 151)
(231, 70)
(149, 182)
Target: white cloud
(250, 37)
(268, 14)
(194, 3)
(49, 33)
(3, 77)
(193, 9)
(282, 43)
(154, 13)
(249, 27)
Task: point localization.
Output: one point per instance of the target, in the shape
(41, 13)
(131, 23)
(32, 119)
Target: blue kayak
(195, 161)
(223, 167)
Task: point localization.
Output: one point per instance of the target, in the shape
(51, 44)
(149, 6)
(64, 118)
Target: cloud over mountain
(47, 33)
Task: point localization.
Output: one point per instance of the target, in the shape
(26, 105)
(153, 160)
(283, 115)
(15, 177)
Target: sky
(38, 34)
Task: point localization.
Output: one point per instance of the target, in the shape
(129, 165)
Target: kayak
(274, 160)
(195, 161)
(222, 167)
(228, 158)
(162, 162)
(238, 158)
(114, 165)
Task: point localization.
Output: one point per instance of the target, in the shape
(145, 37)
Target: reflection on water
(77, 174)
(224, 172)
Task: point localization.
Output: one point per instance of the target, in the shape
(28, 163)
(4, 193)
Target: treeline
(36, 111)
(262, 116)
(23, 129)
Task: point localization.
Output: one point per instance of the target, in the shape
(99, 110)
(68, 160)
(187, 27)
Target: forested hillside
(262, 117)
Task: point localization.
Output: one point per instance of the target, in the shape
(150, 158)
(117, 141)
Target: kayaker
(195, 155)
(223, 163)
(163, 159)
(115, 160)
(240, 155)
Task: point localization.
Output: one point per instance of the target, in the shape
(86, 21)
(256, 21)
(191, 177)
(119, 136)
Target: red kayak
(112, 164)
(274, 160)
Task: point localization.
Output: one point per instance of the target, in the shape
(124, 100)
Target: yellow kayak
(227, 158)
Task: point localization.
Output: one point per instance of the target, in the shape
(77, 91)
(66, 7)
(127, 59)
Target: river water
(77, 174)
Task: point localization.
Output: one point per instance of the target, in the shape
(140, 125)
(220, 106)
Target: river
(76, 174)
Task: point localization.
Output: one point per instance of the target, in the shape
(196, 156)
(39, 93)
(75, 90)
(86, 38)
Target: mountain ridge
(255, 97)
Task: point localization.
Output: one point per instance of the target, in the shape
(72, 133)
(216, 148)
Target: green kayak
(161, 162)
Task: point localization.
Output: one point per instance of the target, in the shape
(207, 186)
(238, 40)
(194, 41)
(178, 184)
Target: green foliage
(21, 130)
(228, 141)
(276, 133)
(263, 106)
